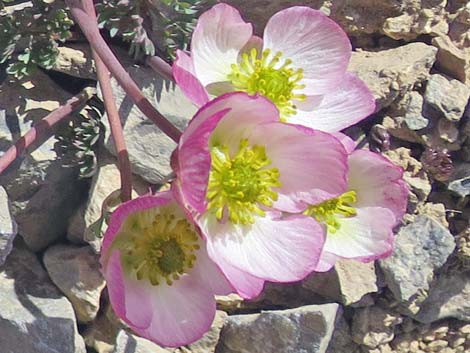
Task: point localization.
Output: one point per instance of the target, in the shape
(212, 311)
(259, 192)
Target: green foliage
(29, 36)
(122, 17)
(77, 144)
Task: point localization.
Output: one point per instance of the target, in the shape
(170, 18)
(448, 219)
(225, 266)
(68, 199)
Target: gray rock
(391, 73)
(449, 297)
(101, 333)
(149, 148)
(446, 97)
(413, 107)
(349, 282)
(8, 228)
(129, 343)
(306, 329)
(341, 341)
(460, 180)
(34, 316)
(76, 271)
(43, 193)
(373, 326)
(421, 248)
(451, 59)
(75, 60)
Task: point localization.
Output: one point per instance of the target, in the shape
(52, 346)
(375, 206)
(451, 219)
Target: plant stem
(117, 134)
(161, 67)
(90, 29)
(44, 128)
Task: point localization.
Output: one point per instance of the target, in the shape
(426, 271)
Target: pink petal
(115, 282)
(377, 182)
(273, 249)
(348, 143)
(367, 235)
(312, 164)
(185, 77)
(327, 261)
(124, 210)
(182, 312)
(313, 42)
(226, 118)
(219, 36)
(345, 105)
(246, 285)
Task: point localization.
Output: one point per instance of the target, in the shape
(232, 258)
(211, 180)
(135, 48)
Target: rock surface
(208, 342)
(43, 194)
(149, 148)
(76, 271)
(391, 73)
(75, 60)
(34, 316)
(421, 248)
(129, 343)
(303, 330)
(449, 297)
(446, 97)
(8, 227)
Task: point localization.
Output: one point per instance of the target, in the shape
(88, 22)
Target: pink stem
(91, 31)
(113, 117)
(43, 128)
(161, 67)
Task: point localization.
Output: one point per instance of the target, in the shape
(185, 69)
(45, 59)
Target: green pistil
(327, 212)
(270, 77)
(240, 185)
(159, 250)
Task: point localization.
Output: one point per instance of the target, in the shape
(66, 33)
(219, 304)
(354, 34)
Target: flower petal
(346, 104)
(348, 143)
(185, 77)
(273, 249)
(315, 44)
(327, 261)
(377, 182)
(226, 118)
(312, 164)
(367, 235)
(219, 36)
(182, 312)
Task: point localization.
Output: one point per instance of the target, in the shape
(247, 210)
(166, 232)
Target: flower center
(271, 77)
(239, 185)
(327, 212)
(157, 247)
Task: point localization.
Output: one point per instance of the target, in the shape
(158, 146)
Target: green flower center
(272, 78)
(328, 211)
(157, 247)
(240, 185)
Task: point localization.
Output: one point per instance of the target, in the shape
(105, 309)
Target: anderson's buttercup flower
(360, 222)
(160, 279)
(237, 169)
(300, 65)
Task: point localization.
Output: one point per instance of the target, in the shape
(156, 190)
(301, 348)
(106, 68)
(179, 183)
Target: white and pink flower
(359, 223)
(238, 169)
(300, 65)
(160, 280)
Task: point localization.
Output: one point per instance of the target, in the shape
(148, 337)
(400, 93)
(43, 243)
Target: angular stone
(76, 271)
(34, 316)
(449, 297)
(421, 248)
(129, 343)
(373, 326)
(149, 148)
(306, 329)
(391, 73)
(209, 341)
(347, 283)
(413, 107)
(102, 332)
(43, 193)
(8, 227)
(445, 97)
(451, 59)
(460, 180)
(75, 60)
(341, 341)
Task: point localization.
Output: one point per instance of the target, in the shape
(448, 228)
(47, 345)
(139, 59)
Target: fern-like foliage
(30, 32)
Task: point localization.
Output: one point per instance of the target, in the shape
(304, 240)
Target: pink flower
(360, 222)
(300, 65)
(238, 168)
(160, 279)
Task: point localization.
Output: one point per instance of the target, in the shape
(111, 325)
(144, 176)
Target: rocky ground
(414, 56)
